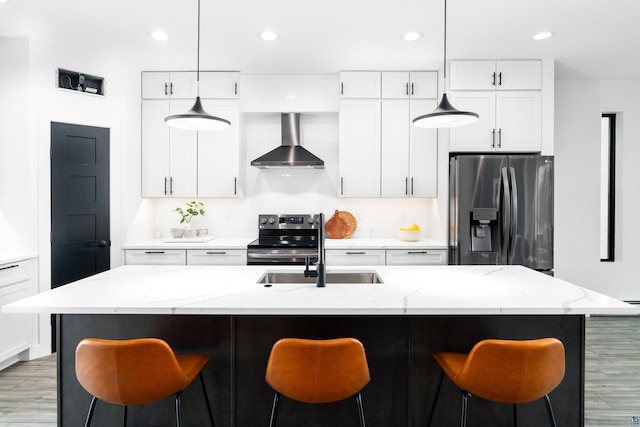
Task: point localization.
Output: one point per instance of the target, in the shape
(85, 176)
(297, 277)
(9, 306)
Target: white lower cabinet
(416, 257)
(17, 331)
(216, 257)
(355, 257)
(156, 257)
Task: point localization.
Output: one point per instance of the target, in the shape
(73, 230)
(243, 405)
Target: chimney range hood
(290, 154)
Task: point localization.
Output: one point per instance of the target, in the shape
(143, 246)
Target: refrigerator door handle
(506, 213)
(514, 212)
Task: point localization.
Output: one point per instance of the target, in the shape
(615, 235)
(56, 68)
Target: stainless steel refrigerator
(501, 210)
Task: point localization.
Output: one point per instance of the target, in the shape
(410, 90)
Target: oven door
(288, 256)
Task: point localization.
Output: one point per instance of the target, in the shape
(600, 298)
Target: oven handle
(280, 255)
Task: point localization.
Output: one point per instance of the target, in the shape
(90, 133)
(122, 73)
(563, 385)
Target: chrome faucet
(320, 273)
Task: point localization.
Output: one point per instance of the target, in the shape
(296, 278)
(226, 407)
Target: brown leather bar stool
(505, 371)
(136, 372)
(317, 371)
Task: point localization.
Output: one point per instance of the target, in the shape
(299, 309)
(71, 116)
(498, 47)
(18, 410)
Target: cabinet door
(518, 121)
(16, 330)
(183, 155)
(183, 84)
(417, 257)
(519, 75)
(161, 84)
(472, 75)
(423, 153)
(155, 257)
(155, 149)
(359, 148)
(395, 148)
(360, 84)
(423, 84)
(478, 136)
(215, 84)
(218, 152)
(217, 257)
(355, 257)
(395, 84)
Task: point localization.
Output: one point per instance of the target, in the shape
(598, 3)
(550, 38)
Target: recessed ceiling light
(158, 35)
(268, 35)
(543, 35)
(412, 36)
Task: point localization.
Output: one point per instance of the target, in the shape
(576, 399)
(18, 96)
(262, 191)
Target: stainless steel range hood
(290, 154)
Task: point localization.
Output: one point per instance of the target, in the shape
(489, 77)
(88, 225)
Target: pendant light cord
(198, 59)
(445, 40)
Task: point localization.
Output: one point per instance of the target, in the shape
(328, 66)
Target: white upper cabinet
(507, 95)
(169, 155)
(219, 84)
(409, 153)
(164, 84)
(360, 84)
(359, 148)
(184, 84)
(495, 75)
(218, 152)
(404, 84)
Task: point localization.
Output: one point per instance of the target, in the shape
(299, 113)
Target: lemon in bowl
(409, 234)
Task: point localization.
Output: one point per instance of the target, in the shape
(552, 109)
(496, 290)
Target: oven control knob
(311, 220)
(263, 220)
(271, 220)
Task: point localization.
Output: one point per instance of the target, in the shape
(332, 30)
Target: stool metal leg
(274, 410)
(360, 409)
(92, 406)
(435, 399)
(515, 415)
(206, 399)
(463, 414)
(178, 410)
(124, 416)
(552, 419)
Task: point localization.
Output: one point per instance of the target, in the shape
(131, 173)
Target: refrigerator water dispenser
(484, 224)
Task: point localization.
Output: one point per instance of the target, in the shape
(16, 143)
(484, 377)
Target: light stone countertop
(6, 258)
(233, 290)
(241, 243)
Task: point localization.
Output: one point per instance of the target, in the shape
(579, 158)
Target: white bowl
(409, 235)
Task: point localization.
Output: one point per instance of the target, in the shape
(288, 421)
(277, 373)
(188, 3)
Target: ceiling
(593, 39)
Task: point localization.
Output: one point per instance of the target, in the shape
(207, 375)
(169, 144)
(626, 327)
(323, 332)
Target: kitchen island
(415, 311)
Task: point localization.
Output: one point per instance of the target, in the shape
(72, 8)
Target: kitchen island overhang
(223, 311)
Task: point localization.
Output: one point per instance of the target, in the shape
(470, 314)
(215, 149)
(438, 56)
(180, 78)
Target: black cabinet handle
(235, 89)
(216, 253)
(10, 266)
(493, 80)
(341, 88)
(500, 79)
(411, 88)
(355, 253)
(154, 252)
(406, 88)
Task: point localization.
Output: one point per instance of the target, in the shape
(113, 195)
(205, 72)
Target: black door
(80, 235)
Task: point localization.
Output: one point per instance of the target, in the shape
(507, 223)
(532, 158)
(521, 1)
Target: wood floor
(612, 380)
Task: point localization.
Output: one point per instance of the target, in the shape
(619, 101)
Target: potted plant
(193, 209)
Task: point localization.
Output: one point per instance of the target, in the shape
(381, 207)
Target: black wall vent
(79, 82)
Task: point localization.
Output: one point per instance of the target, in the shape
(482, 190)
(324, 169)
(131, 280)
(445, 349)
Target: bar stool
(136, 372)
(505, 371)
(317, 371)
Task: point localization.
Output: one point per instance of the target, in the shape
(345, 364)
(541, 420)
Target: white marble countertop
(218, 290)
(7, 258)
(241, 243)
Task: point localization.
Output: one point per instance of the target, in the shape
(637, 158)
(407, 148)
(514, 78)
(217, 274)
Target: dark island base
(399, 349)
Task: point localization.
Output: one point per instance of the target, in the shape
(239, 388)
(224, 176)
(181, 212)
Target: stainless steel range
(285, 240)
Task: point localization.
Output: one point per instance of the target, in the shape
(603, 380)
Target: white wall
(579, 105)
(18, 203)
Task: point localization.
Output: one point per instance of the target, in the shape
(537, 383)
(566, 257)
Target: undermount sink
(359, 277)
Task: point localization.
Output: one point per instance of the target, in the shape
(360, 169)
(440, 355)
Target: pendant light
(445, 115)
(197, 118)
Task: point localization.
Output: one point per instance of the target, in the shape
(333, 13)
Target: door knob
(101, 243)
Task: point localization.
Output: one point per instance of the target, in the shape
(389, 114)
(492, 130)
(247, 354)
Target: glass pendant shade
(445, 116)
(197, 119)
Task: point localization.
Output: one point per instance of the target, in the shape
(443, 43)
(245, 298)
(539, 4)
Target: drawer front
(217, 257)
(156, 257)
(355, 257)
(417, 257)
(14, 272)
